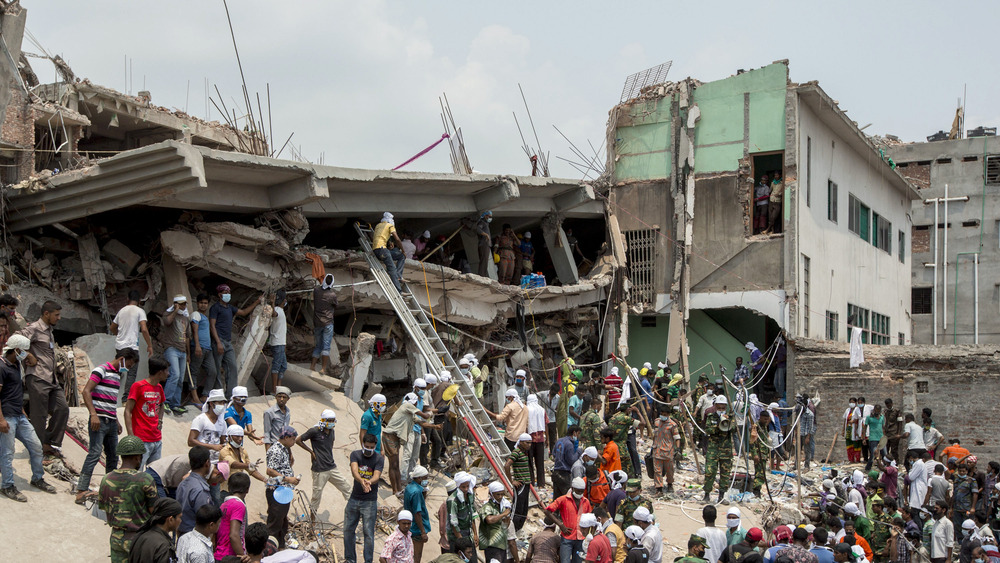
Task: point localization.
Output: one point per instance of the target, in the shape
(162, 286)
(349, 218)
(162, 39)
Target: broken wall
(956, 382)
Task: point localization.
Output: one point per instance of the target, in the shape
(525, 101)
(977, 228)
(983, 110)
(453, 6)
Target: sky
(357, 84)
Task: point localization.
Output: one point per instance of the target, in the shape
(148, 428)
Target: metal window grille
(993, 170)
(649, 77)
(832, 325)
(920, 301)
(641, 251)
(805, 295)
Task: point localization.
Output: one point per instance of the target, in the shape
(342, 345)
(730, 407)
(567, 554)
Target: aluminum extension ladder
(436, 354)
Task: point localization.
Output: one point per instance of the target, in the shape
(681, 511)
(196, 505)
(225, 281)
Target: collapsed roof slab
(178, 175)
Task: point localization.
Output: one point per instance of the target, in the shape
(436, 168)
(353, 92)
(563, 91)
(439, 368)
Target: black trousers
(520, 513)
(277, 517)
(560, 483)
(537, 454)
(47, 400)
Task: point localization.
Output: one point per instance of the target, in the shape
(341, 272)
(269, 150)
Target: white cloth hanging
(857, 353)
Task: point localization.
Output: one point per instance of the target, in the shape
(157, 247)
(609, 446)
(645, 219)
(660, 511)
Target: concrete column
(558, 247)
(176, 281)
(470, 241)
(357, 375)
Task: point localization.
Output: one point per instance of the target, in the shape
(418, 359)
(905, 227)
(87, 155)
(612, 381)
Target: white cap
(614, 370)
(587, 520)
(419, 383)
(773, 406)
(661, 365)
(240, 392)
(810, 528)
(411, 398)
(969, 524)
(496, 487)
(464, 361)
(179, 298)
(376, 398)
(431, 378)
(578, 483)
(634, 532)
(427, 234)
(444, 374)
(532, 399)
(328, 414)
(590, 452)
(520, 373)
(419, 471)
(527, 234)
(721, 400)
(642, 514)
(524, 437)
(828, 484)
(463, 477)
(387, 217)
(234, 430)
(851, 508)
(635, 371)
(450, 486)
(216, 395)
(734, 511)
(404, 515)
(647, 365)
(749, 346)
(510, 393)
(17, 342)
(618, 476)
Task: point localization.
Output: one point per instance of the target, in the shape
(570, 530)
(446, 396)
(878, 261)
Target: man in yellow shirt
(388, 248)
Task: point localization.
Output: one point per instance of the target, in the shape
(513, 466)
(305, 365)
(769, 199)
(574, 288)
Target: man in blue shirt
(193, 492)
(371, 421)
(565, 455)
(413, 500)
(575, 410)
(220, 318)
(821, 551)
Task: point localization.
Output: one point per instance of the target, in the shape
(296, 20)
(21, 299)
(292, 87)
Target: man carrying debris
(324, 304)
(13, 423)
(175, 334)
(126, 326)
(100, 396)
(220, 318)
(46, 397)
(127, 496)
(388, 248)
(719, 461)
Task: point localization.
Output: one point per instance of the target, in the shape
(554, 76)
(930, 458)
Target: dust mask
(22, 355)
(219, 409)
(577, 495)
(733, 522)
(226, 297)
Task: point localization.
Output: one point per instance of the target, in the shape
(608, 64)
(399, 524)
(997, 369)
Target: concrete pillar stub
(559, 249)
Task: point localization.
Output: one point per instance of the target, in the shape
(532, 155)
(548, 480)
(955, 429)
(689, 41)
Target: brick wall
(19, 129)
(959, 384)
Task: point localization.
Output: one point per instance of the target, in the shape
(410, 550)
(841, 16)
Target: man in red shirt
(144, 409)
(566, 511)
(599, 549)
(613, 383)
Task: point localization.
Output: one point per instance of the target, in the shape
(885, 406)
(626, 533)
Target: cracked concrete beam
(297, 192)
(498, 195)
(574, 198)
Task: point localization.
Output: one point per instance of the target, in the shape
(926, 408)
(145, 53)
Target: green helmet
(131, 445)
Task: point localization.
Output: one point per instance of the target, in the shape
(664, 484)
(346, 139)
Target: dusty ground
(81, 537)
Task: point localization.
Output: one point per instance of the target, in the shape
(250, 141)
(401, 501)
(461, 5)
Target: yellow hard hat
(450, 392)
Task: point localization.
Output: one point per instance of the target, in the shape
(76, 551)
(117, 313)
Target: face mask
(577, 495)
(367, 452)
(590, 461)
(420, 393)
(664, 417)
(329, 425)
(460, 496)
(219, 409)
(424, 483)
(226, 297)
(22, 355)
(464, 371)
(733, 522)
(235, 445)
(634, 497)
(464, 558)
(489, 219)
(852, 405)
(965, 533)
(710, 392)
(979, 561)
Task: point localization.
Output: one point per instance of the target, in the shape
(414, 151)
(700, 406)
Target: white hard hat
(419, 383)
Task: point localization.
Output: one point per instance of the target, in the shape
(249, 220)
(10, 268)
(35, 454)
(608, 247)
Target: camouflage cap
(633, 484)
(695, 539)
(131, 445)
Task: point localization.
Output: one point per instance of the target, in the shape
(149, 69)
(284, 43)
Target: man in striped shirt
(101, 398)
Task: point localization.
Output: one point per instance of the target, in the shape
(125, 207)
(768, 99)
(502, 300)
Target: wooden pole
(832, 444)
(438, 247)
(635, 382)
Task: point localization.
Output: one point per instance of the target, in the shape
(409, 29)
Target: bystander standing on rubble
(892, 429)
(666, 445)
(202, 354)
(414, 501)
(175, 334)
(208, 428)
(127, 496)
(220, 318)
(144, 410)
(398, 547)
(100, 396)
(237, 413)
(566, 510)
(277, 417)
(652, 538)
(324, 469)
(324, 304)
(229, 539)
(46, 397)
(126, 326)
(14, 424)
(504, 245)
(396, 435)
(371, 421)
(278, 337)
(280, 474)
(366, 470)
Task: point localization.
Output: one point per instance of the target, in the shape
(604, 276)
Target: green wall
(643, 135)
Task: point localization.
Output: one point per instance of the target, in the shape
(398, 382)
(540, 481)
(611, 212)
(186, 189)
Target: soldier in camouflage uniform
(880, 534)
(127, 496)
(591, 423)
(633, 499)
(696, 551)
(719, 460)
(621, 422)
(759, 451)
